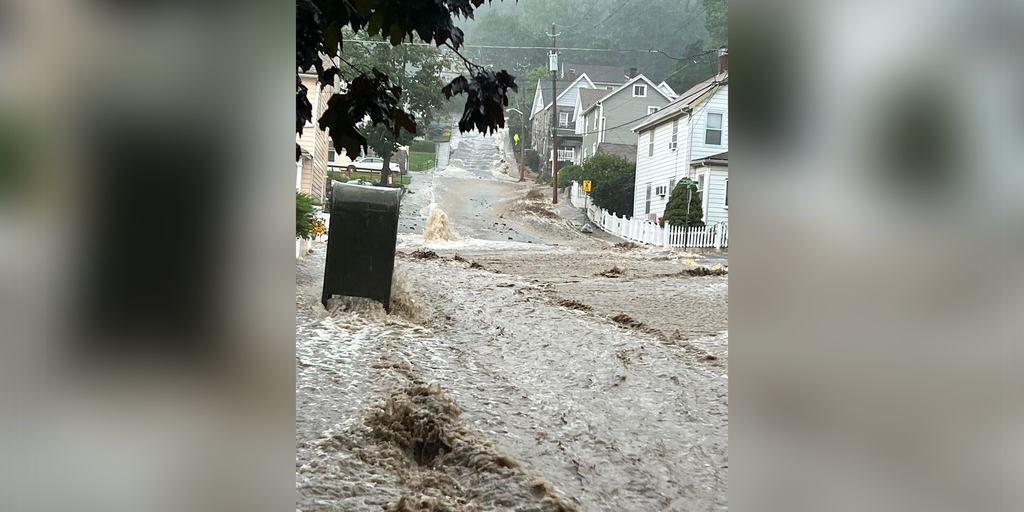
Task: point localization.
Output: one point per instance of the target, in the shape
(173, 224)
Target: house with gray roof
(563, 106)
(603, 77)
(604, 118)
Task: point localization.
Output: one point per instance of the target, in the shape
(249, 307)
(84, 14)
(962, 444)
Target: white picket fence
(714, 236)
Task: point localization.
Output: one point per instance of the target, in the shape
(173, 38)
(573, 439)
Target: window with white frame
(566, 153)
(713, 133)
(595, 119)
(651, 110)
(727, 192)
(647, 205)
(563, 119)
(650, 144)
(700, 185)
(671, 185)
(675, 129)
(332, 155)
(639, 91)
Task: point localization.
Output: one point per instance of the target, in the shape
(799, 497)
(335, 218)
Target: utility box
(361, 242)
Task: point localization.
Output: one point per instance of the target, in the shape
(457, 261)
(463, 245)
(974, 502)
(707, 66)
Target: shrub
(305, 215)
(675, 210)
(612, 181)
(533, 160)
(569, 174)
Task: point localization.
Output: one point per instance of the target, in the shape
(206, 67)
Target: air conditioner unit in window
(653, 217)
(673, 145)
(661, 190)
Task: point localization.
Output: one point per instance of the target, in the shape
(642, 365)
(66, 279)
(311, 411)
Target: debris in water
(438, 227)
(572, 304)
(627, 320)
(613, 272)
(626, 246)
(474, 264)
(424, 254)
(420, 420)
(699, 272)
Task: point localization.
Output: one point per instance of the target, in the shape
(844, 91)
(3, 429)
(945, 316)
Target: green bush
(422, 146)
(305, 212)
(568, 174)
(612, 181)
(675, 210)
(533, 160)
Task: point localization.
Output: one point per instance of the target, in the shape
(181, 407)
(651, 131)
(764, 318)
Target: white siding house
(675, 143)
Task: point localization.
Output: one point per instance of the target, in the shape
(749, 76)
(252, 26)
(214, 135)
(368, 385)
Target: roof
(624, 150)
(719, 158)
(545, 89)
(590, 96)
(607, 74)
(676, 106)
(626, 86)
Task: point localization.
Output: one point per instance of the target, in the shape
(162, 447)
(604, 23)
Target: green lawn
(421, 161)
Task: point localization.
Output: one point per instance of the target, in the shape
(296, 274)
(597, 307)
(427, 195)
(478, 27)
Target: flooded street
(525, 366)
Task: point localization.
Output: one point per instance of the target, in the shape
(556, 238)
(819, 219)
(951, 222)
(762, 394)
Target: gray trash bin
(361, 242)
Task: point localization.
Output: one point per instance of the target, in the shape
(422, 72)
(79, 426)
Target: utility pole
(522, 141)
(553, 64)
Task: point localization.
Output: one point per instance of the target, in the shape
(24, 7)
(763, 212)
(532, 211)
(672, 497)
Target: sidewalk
(567, 211)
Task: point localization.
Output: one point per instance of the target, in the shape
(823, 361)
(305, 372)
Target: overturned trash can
(361, 242)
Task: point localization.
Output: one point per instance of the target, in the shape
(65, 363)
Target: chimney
(632, 72)
(571, 75)
(723, 59)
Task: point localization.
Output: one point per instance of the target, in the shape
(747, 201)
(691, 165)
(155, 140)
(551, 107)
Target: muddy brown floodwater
(516, 376)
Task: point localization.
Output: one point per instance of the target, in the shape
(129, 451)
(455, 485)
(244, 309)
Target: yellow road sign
(586, 185)
(516, 138)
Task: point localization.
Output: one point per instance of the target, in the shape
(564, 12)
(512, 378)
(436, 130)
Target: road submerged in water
(525, 366)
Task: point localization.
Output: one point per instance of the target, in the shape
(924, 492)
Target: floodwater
(518, 371)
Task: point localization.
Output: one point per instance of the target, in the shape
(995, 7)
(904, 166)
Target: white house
(688, 138)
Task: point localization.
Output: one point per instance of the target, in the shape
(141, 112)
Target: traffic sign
(586, 185)
(686, 181)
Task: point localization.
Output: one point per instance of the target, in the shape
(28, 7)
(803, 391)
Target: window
(593, 149)
(563, 119)
(609, 87)
(671, 185)
(713, 133)
(595, 119)
(566, 153)
(675, 129)
(639, 91)
(650, 144)
(727, 192)
(651, 110)
(331, 154)
(700, 184)
(647, 206)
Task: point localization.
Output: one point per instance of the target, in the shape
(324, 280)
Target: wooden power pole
(553, 64)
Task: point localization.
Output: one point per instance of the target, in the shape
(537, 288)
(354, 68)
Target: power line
(612, 14)
(498, 47)
(681, 28)
(574, 25)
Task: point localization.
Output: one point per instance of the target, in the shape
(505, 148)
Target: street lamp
(522, 143)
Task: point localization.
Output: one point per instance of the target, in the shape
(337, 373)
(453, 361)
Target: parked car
(372, 164)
